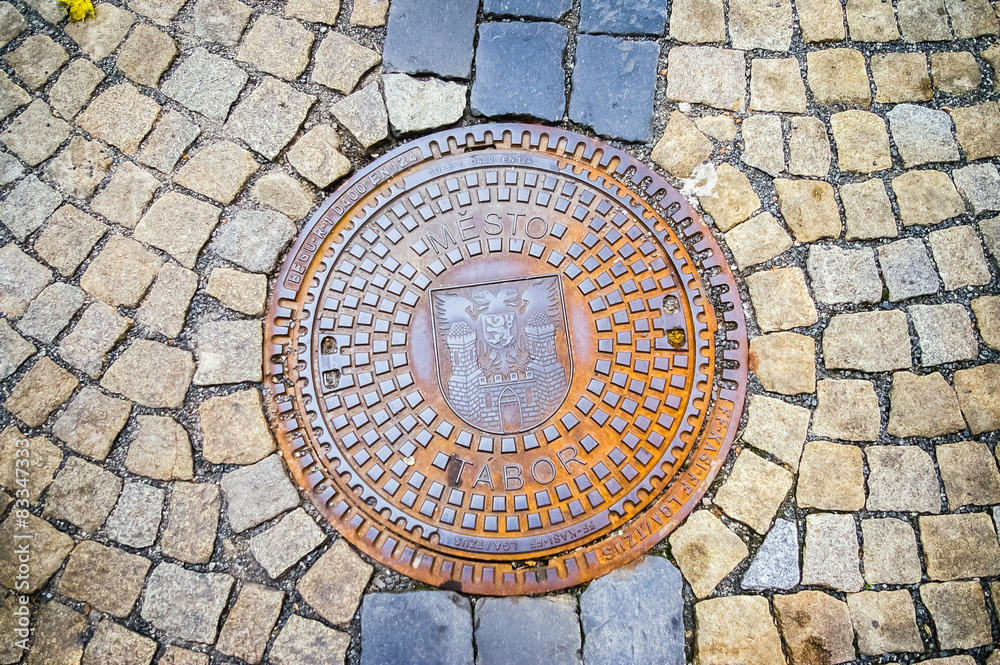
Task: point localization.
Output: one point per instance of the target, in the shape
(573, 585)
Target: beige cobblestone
(862, 141)
(885, 622)
(79, 167)
(235, 431)
(871, 21)
(759, 24)
(784, 362)
(987, 311)
(160, 450)
(955, 73)
(112, 643)
(867, 211)
(682, 146)
(82, 494)
(923, 20)
(890, 551)
(959, 256)
(121, 116)
(99, 37)
(809, 209)
(809, 148)
(978, 130)
(74, 87)
(35, 134)
(698, 21)
(847, 409)
(816, 627)
(126, 196)
(238, 290)
(763, 145)
(121, 273)
(706, 551)
(969, 472)
(759, 239)
(87, 345)
(831, 553)
(831, 477)
(978, 390)
(867, 341)
(146, 54)
(40, 392)
(192, 521)
(334, 584)
(67, 239)
(926, 197)
(781, 299)
(91, 423)
(712, 76)
(58, 636)
(340, 62)
(284, 193)
(287, 542)
(165, 306)
(144, 358)
(901, 77)
(277, 46)
(959, 546)
(958, 610)
(735, 628)
(51, 547)
(247, 628)
(753, 491)
(821, 20)
(307, 641)
(218, 171)
(179, 225)
(902, 478)
(108, 578)
(777, 427)
(838, 75)
(732, 199)
(972, 18)
(924, 406)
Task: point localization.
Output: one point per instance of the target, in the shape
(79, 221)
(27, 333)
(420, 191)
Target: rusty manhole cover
(505, 359)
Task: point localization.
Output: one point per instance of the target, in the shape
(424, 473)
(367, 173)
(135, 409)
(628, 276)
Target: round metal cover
(505, 359)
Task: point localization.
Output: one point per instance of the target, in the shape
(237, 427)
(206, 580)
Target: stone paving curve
(157, 160)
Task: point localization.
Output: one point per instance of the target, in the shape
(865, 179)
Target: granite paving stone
(126, 195)
(809, 208)
(990, 229)
(776, 85)
(307, 642)
(287, 542)
(978, 129)
(519, 71)
(112, 643)
(862, 141)
(334, 584)
(781, 299)
(340, 62)
(98, 330)
(979, 185)
(838, 75)
(884, 622)
(185, 604)
(317, 157)
(12, 23)
(736, 629)
(924, 406)
(547, 9)
(754, 490)
(622, 17)
(121, 273)
(682, 147)
(238, 290)
(79, 167)
(907, 269)
(986, 309)
(991, 55)
(35, 134)
(135, 520)
(923, 20)
(160, 11)
(867, 341)
(944, 332)
(205, 83)
(247, 628)
(890, 551)
(277, 46)
(776, 564)
(958, 610)
(146, 54)
(712, 76)
(422, 37)
(160, 450)
(283, 193)
(91, 423)
(922, 135)
(68, 238)
(757, 240)
(847, 409)
(269, 117)
(867, 211)
(418, 627)
(144, 358)
(808, 148)
(58, 636)
(901, 77)
(50, 546)
(179, 225)
(220, 21)
(107, 578)
(258, 492)
(760, 24)
(698, 21)
(74, 87)
(36, 60)
(843, 275)
(372, 13)
(14, 350)
(414, 105)
(902, 478)
(547, 629)
(192, 520)
(959, 546)
(777, 427)
(39, 392)
(871, 21)
(45, 460)
(253, 239)
(969, 472)
(613, 85)
(121, 116)
(955, 73)
(82, 494)
(165, 306)
(228, 352)
(732, 198)
(816, 627)
(821, 20)
(972, 18)
(763, 145)
(706, 551)
(12, 96)
(959, 256)
(234, 428)
(101, 35)
(10, 168)
(179, 656)
(831, 477)
(217, 171)
(831, 558)
(977, 390)
(317, 11)
(363, 114)
(784, 362)
(27, 205)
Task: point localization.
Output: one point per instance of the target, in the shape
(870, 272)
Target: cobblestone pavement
(158, 159)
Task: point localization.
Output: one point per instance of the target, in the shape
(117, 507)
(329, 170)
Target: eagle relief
(503, 353)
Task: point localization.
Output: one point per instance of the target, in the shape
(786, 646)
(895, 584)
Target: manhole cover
(505, 359)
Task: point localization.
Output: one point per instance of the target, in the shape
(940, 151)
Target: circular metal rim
(645, 189)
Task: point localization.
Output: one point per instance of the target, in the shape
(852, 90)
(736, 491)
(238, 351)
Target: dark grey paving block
(417, 628)
(623, 17)
(613, 86)
(431, 37)
(519, 70)
(635, 615)
(528, 631)
(551, 9)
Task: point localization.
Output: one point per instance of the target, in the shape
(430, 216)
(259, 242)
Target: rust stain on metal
(505, 359)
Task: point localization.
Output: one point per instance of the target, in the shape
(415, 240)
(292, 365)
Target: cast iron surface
(505, 359)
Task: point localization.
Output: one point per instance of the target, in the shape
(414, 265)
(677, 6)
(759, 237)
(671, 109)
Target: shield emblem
(503, 353)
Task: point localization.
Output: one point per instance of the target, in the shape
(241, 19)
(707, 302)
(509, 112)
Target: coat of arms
(503, 355)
